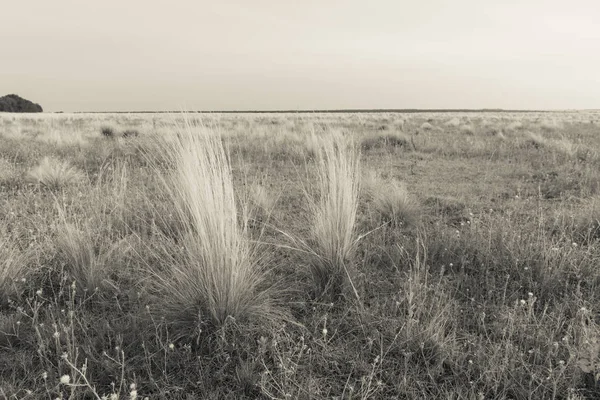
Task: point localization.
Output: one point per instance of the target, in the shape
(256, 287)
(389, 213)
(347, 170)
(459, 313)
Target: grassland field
(300, 256)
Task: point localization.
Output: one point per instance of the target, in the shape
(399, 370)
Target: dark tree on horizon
(15, 103)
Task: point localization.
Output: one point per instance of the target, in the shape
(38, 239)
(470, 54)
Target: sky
(159, 55)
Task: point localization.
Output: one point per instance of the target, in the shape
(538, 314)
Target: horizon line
(349, 110)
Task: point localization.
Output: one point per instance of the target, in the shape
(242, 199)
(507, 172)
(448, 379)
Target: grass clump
(426, 126)
(535, 140)
(393, 203)
(219, 275)
(88, 263)
(385, 140)
(55, 174)
(454, 122)
(333, 213)
(467, 130)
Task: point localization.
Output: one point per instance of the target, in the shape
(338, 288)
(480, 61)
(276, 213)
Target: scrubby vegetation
(450, 256)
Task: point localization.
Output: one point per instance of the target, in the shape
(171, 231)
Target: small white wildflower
(530, 294)
(39, 292)
(133, 394)
(132, 386)
(65, 379)
(470, 361)
(171, 346)
(56, 335)
(44, 375)
(325, 331)
(523, 302)
(574, 244)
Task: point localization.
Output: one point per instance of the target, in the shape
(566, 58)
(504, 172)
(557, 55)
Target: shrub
(219, 275)
(107, 132)
(55, 174)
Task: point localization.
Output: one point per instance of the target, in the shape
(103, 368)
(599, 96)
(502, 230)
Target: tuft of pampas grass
(55, 174)
(394, 204)
(219, 275)
(333, 214)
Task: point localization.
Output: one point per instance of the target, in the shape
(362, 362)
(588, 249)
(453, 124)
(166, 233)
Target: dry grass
(333, 214)
(55, 174)
(394, 204)
(89, 262)
(220, 275)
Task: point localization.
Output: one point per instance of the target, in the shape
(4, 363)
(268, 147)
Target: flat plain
(300, 256)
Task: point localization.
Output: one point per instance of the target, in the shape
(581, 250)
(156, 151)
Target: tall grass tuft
(219, 275)
(393, 203)
(55, 174)
(333, 212)
(89, 263)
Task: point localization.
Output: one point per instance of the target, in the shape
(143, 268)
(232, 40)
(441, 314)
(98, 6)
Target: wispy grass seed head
(55, 174)
(333, 213)
(220, 276)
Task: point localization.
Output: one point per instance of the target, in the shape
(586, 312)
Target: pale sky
(132, 55)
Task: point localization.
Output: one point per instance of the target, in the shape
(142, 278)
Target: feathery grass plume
(55, 174)
(219, 276)
(333, 213)
(394, 204)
